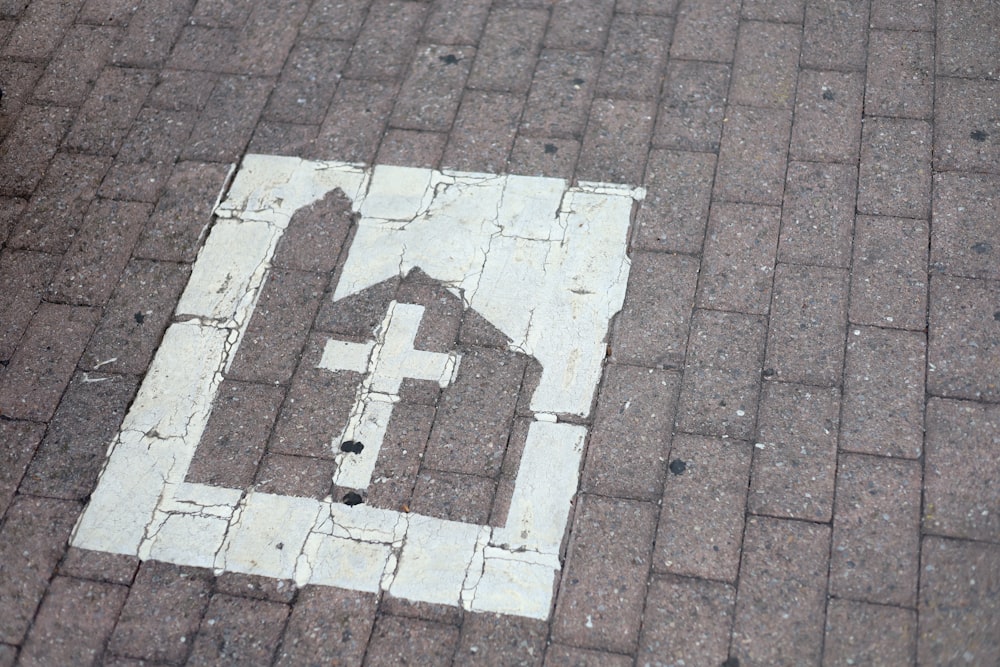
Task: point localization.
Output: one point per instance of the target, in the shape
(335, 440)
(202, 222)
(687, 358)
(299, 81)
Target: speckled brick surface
(791, 451)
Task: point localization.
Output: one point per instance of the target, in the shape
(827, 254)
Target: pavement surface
(792, 455)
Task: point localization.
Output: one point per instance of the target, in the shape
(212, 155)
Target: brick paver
(792, 452)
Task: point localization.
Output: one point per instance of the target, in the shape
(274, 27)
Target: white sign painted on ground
(543, 262)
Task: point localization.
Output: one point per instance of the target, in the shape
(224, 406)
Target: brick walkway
(794, 453)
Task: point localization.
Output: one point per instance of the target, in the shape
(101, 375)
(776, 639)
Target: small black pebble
(677, 466)
(578, 82)
(550, 149)
(351, 446)
(351, 499)
(996, 316)
(449, 59)
(982, 247)
(827, 94)
(139, 318)
(978, 135)
(768, 373)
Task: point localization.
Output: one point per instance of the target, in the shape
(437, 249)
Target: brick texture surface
(790, 453)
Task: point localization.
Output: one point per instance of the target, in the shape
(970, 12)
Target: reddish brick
(795, 457)
(283, 139)
(227, 122)
(561, 92)
(23, 276)
(884, 392)
(858, 633)
(429, 97)
(827, 116)
(604, 582)
(162, 613)
(580, 26)
(766, 65)
(817, 218)
(151, 32)
(651, 329)
(965, 38)
(135, 317)
(738, 259)
(959, 608)
(40, 29)
(31, 143)
(558, 655)
(99, 566)
(617, 141)
(963, 240)
(687, 622)
(706, 31)
(508, 49)
(202, 48)
(183, 213)
(107, 115)
(106, 12)
(268, 36)
(281, 320)
(963, 348)
(492, 639)
(76, 65)
(317, 407)
(396, 641)
(835, 34)
(455, 21)
(182, 90)
(355, 121)
(388, 37)
(93, 264)
(453, 496)
(966, 132)
(307, 82)
(722, 374)
(895, 175)
(235, 437)
(42, 366)
(237, 631)
(301, 476)
(902, 15)
(540, 156)
(400, 456)
(808, 324)
(781, 599)
(322, 613)
(634, 58)
(876, 530)
(73, 623)
(960, 492)
(19, 442)
(704, 498)
(316, 234)
(780, 11)
(412, 148)
(674, 214)
(889, 276)
(357, 315)
(32, 540)
(335, 19)
(900, 74)
(475, 413)
(753, 156)
(75, 447)
(692, 107)
(56, 210)
(483, 133)
(631, 434)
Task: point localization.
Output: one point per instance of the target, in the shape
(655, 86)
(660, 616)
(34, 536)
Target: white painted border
(142, 505)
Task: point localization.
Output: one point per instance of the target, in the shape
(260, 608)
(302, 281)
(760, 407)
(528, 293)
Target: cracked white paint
(543, 262)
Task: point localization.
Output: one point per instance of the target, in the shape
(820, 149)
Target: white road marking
(544, 262)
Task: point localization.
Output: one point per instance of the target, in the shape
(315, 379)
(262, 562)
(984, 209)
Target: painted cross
(386, 361)
(541, 261)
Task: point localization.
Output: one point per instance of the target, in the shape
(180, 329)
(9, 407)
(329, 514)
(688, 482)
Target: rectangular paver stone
(397, 640)
(706, 30)
(355, 120)
(604, 584)
(889, 276)
(835, 34)
(884, 392)
(900, 74)
(868, 634)
(20, 440)
(966, 215)
(617, 141)
(781, 598)
(674, 213)
(766, 65)
(385, 45)
(321, 613)
(817, 217)
(107, 115)
(966, 44)
(429, 97)
(687, 622)
(23, 276)
(561, 92)
(966, 129)
(827, 116)
(876, 530)
(508, 49)
(704, 502)
(692, 106)
(238, 631)
(752, 156)
(636, 406)
(895, 173)
(226, 124)
(633, 61)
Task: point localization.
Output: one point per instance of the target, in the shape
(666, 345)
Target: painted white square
(542, 261)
